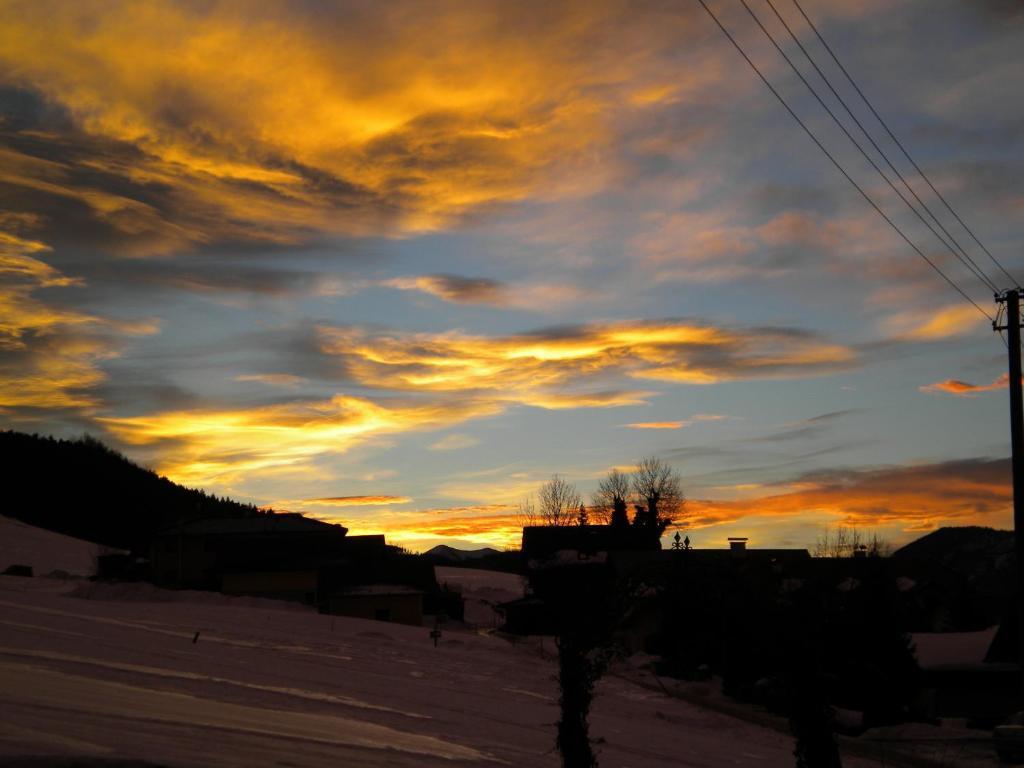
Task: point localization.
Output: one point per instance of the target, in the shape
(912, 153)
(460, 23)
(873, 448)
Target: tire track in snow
(199, 677)
(28, 684)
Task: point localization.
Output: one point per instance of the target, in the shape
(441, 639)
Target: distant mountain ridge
(83, 488)
(444, 552)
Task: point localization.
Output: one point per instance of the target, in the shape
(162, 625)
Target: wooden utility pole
(1012, 300)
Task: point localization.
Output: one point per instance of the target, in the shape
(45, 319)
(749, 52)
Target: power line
(899, 144)
(964, 257)
(835, 162)
(973, 268)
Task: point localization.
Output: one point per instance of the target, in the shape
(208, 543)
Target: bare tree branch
(610, 502)
(558, 502)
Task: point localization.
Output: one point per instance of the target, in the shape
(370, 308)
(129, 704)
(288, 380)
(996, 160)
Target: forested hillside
(84, 489)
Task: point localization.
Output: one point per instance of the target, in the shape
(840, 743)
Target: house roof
(540, 541)
(943, 649)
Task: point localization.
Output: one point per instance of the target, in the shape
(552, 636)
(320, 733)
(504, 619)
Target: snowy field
(46, 551)
(100, 672)
(271, 687)
(481, 591)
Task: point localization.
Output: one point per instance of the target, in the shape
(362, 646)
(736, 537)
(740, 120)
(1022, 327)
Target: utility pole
(1012, 300)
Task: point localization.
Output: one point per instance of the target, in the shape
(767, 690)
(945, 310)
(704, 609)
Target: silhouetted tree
(868, 651)
(526, 513)
(587, 604)
(846, 541)
(611, 499)
(579, 668)
(811, 719)
(659, 495)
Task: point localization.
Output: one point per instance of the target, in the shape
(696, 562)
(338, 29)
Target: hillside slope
(84, 489)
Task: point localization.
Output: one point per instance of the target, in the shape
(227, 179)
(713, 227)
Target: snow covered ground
(262, 686)
(118, 672)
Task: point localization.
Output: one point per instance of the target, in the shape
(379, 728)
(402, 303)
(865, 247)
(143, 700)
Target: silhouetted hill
(84, 489)
(982, 557)
(954, 545)
(486, 559)
(444, 552)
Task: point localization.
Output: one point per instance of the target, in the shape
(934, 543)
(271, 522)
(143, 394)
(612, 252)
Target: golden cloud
(23, 273)
(273, 379)
(475, 290)
(454, 443)
(351, 501)
(538, 368)
(454, 288)
(205, 447)
(270, 122)
(557, 369)
(48, 355)
(934, 324)
(497, 525)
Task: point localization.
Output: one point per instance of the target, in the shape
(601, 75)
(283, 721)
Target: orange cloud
(898, 498)
(917, 497)
(657, 425)
(964, 389)
(676, 424)
(497, 525)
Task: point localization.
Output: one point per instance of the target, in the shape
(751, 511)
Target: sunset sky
(395, 264)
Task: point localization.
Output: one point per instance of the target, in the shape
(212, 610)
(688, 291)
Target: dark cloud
(100, 193)
(773, 199)
(454, 288)
(997, 11)
(814, 427)
(209, 275)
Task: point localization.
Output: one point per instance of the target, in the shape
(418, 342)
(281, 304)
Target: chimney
(738, 545)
